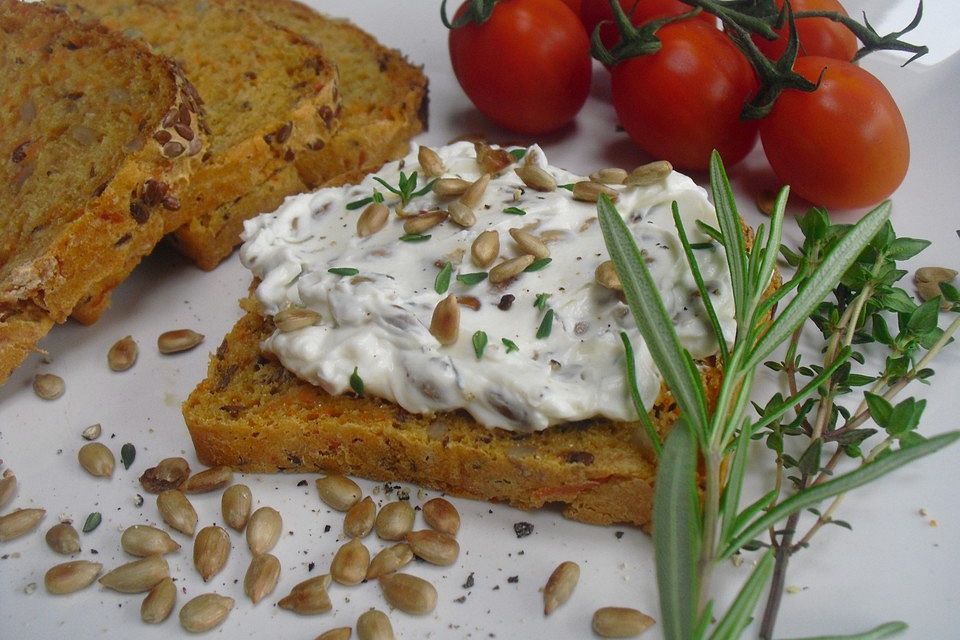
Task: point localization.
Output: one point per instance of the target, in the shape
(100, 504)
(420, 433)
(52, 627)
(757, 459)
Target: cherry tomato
(817, 36)
(593, 12)
(528, 67)
(574, 5)
(842, 146)
(685, 100)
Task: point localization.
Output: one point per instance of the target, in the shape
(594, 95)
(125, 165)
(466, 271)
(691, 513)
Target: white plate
(895, 564)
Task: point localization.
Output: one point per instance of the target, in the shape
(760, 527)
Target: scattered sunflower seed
(309, 597)
(20, 522)
(169, 473)
(48, 386)
(177, 511)
(235, 503)
(137, 576)
(339, 633)
(63, 538)
(210, 551)
(159, 602)
(142, 540)
(263, 530)
(350, 563)
(123, 354)
(395, 520)
(389, 560)
(360, 518)
(434, 547)
(620, 622)
(208, 480)
(408, 593)
(178, 340)
(92, 432)
(96, 459)
(71, 576)
(374, 625)
(440, 515)
(560, 586)
(338, 492)
(205, 612)
(261, 577)
(8, 489)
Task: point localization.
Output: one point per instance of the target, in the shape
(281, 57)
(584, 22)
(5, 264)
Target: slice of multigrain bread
(252, 414)
(384, 106)
(270, 93)
(84, 180)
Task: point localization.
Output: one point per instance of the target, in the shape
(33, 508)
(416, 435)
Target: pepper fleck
(522, 529)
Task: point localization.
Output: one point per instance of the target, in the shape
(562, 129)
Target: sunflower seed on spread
(536, 177)
(205, 612)
(485, 248)
(178, 340)
(360, 518)
(389, 560)
(142, 540)
(263, 530)
(445, 322)
(71, 576)
(373, 219)
(177, 511)
(159, 602)
(20, 522)
(309, 597)
(430, 162)
(440, 515)
(295, 318)
(338, 492)
(339, 633)
(607, 277)
(434, 547)
(448, 187)
(374, 625)
(620, 622)
(648, 174)
(589, 191)
(350, 563)
(461, 214)
(48, 386)
(530, 243)
(210, 551)
(424, 221)
(8, 489)
(394, 521)
(408, 593)
(510, 268)
(473, 196)
(169, 473)
(63, 538)
(96, 459)
(123, 354)
(560, 586)
(137, 576)
(261, 577)
(92, 432)
(235, 503)
(612, 175)
(208, 480)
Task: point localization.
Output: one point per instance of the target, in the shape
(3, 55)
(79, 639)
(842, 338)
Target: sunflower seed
(63, 538)
(137, 576)
(123, 354)
(142, 540)
(408, 593)
(394, 521)
(96, 459)
(373, 219)
(8, 489)
(530, 243)
(210, 551)
(441, 516)
(71, 576)
(309, 597)
(606, 276)
(445, 322)
(338, 492)
(177, 511)
(389, 560)
(360, 518)
(159, 602)
(485, 248)
(20, 522)
(374, 625)
(178, 340)
(236, 503)
(350, 563)
(765, 200)
(340, 633)
(295, 318)
(263, 530)
(92, 432)
(588, 191)
(261, 577)
(461, 214)
(560, 586)
(648, 174)
(434, 547)
(934, 274)
(448, 187)
(424, 221)
(492, 160)
(612, 175)
(169, 473)
(473, 196)
(48, 386)
(510, 268)
(536, 178)
(620, 622)
(430, 162)
(208, 480)
(205, 612)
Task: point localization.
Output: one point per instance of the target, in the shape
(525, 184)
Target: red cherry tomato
(842, 146)
(593, 12)
(574, 5)
(528, 67)
(685, 100)
(817, 36)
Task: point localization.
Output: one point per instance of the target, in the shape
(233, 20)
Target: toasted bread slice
(270, 93)
(252, 414)
(99, 137)
(384, 105)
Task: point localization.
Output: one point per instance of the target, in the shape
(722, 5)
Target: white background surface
(893, 565)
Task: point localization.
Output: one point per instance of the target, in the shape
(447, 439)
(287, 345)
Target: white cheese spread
(376, 322)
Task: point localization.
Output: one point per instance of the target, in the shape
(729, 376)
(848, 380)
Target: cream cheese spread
(375, 306)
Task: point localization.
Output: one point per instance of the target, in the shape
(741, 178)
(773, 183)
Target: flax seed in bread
(99, 136)
(384, 106)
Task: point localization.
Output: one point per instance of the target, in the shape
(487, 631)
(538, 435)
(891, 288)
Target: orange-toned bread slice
(99, 138)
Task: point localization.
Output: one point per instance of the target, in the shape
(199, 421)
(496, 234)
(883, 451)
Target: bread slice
(99, 137)
(384, 106)
(270, 93)
(252, 414)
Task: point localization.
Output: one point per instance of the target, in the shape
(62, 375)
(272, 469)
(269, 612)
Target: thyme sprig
(406, 187)
(845, 284)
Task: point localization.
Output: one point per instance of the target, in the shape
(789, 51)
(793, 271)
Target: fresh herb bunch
(853, 265)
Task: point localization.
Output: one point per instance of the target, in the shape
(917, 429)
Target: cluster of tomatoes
(527, 66)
